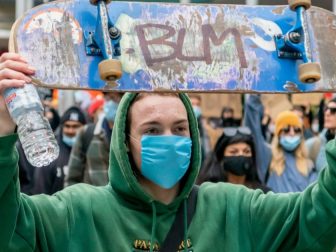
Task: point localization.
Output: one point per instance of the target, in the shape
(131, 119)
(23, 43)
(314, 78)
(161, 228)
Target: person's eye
(151, 131)
(233, 153)
(181, 130)
(248, 152)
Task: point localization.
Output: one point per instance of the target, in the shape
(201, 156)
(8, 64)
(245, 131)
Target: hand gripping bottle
(37, 139)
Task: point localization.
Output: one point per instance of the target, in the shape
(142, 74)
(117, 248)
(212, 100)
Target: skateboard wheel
(296, 3)
(309, 72)
(95, 2)
(110, 70)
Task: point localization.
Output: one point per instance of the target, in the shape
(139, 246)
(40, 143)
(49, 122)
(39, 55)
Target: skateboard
(137, 46)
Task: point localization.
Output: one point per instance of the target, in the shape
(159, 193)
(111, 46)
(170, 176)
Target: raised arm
(13, 70)
(252, 118)
(26, 224)
(298, 222)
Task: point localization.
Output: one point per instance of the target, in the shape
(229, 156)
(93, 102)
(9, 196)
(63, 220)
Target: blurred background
(211, 104)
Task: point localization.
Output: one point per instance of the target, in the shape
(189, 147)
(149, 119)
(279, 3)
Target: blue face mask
(165, 159)
(290, 143)
(70, 141)
(197, 111)
(110, 110)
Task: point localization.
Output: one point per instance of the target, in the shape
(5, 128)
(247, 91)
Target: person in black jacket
(50, 179)
(233, 160)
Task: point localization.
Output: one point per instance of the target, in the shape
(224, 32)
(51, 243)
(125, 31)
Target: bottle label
(22, 98)
(11, 96)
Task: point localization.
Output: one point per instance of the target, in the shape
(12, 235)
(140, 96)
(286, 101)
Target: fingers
(8, 73)
(17, 66)
(10, 83)
(13, 71)
(12, 56)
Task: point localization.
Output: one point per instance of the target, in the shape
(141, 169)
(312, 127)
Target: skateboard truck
(105, 41)
(295, 43)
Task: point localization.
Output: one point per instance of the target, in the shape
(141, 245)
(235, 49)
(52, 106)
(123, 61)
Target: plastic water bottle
(36, 136)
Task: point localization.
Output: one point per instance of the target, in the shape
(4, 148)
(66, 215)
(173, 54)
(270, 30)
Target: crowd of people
(135, 160)
(288, 160)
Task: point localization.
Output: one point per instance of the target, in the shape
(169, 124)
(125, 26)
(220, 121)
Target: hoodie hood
(121, 174)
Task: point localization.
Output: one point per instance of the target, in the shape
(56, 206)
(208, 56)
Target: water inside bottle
(37, 139)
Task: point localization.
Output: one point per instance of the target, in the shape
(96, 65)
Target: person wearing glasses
(316, 145)
(233, 160)
(284, 166)
(154, 162)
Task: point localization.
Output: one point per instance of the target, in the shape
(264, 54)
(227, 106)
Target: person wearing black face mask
(233, 160)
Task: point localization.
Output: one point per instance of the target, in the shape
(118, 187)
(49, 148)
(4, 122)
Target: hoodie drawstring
(185, 226)
(151, 246)
(185, 223)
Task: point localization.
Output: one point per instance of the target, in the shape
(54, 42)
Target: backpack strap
(87, 137)
(176, 233)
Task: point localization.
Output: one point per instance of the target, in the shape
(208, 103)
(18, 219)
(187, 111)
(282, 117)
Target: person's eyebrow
(152, 122)
(181, 121)
(155, 122)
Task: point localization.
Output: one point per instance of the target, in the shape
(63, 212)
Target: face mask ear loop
(127, 144)
(135, 139)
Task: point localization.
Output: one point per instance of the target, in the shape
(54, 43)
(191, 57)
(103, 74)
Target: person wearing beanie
(284, 166)
(50, 179)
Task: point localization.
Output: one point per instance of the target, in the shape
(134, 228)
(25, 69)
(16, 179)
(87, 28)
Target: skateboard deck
(175, 47)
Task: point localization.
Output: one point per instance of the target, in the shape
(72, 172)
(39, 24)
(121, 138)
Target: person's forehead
(158, 101)
(238, 145)
(70, 123)
(156, 106)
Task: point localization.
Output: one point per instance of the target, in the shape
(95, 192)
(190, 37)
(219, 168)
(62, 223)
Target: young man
(154, 163)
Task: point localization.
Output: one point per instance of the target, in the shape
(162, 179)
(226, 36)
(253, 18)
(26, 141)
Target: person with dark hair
(233, 160)
(316, 145)
(227, 118)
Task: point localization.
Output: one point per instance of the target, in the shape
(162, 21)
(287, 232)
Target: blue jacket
(291, 180)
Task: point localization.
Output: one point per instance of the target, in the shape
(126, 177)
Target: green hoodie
(122, 217)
